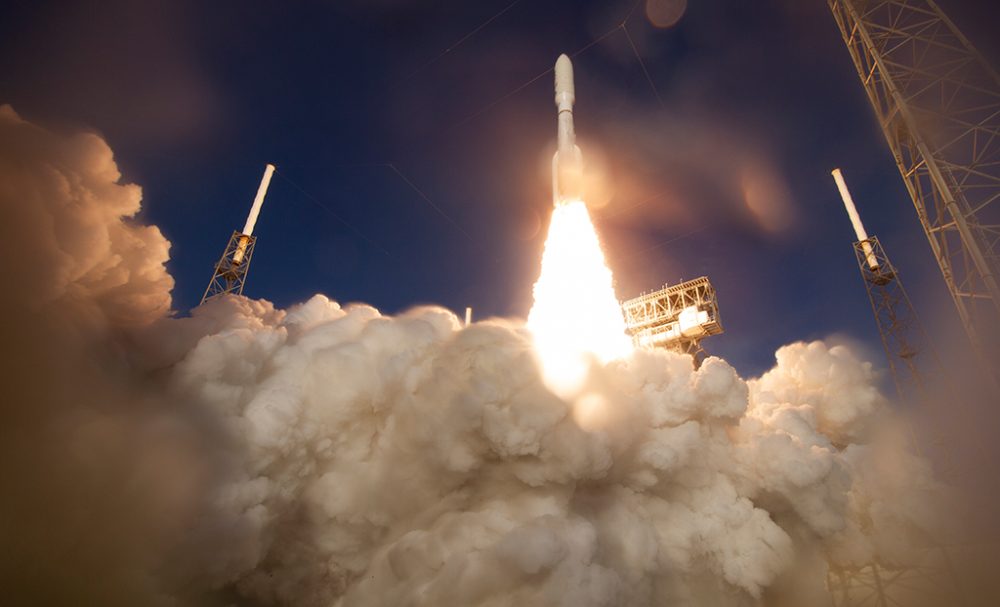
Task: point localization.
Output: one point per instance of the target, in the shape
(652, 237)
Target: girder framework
(938, 104)
(676, 317)
(930, 580)
(231, 270)
(906, 345)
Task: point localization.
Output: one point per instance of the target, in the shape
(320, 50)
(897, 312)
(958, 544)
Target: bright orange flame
(576, 316)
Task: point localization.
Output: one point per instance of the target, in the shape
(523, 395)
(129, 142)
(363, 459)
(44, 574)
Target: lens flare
(576, 317)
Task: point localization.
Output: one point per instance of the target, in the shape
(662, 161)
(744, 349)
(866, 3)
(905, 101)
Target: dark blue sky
(727, 174)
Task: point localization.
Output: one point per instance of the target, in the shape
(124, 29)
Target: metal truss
(655, 319)
(932, 581)
(938, 103)
(903, 337)
(231, 269)
(912, 360)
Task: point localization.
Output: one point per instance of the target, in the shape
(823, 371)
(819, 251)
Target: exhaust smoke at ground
(329, 455)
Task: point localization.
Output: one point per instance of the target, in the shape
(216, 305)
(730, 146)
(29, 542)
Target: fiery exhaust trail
(575, 317)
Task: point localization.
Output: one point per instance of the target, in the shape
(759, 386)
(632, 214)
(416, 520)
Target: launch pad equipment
(898, 326)
(231, 270)
(901, 332)
(938, 103)
(676, 317)
(897, 322)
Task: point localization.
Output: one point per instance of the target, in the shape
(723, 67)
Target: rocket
(567, 164)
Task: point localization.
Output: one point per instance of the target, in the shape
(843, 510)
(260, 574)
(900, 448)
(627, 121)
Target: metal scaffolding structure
(676, 317)
(938, 103)
(231, 269)
(902, 336)
(932, 580)
(910, 359)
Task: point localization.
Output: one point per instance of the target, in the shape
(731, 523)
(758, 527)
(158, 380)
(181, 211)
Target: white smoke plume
(98, 471)
(65, 232)
(324, 455)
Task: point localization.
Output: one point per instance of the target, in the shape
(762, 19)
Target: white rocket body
(852, 212)
(248, 227)
(567, 164)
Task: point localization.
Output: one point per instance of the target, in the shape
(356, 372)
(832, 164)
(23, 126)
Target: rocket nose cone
(564, 75)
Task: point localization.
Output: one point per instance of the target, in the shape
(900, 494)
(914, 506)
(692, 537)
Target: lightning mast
(231, 269)
(901, 333)
(898, 326)
(938, 103)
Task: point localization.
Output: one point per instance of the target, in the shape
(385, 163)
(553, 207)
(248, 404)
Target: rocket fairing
(567, 164)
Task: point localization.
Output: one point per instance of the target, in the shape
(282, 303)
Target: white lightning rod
(258, 202)
(852, 212)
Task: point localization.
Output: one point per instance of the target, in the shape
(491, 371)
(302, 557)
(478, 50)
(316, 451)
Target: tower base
(231, 269)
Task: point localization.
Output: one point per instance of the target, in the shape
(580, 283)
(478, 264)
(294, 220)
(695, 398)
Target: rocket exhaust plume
(575, 317)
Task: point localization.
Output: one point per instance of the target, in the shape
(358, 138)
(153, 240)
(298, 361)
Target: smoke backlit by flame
(575, 317)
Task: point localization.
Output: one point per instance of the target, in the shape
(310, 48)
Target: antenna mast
(231, 269)
(898, 326)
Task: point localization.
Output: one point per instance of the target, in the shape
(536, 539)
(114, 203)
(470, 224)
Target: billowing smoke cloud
(408, 460)
(98, 471)
(66, 236)
(324, 455)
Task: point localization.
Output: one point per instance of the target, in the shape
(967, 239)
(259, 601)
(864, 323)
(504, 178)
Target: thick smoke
(66, 237)
(324, 455)
(410, 461)
(98, 471)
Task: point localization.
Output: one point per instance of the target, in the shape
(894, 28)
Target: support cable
(642, 64)
(459, 43)
(430, 202)
(619, 26)
(664, 243)
(333, 214)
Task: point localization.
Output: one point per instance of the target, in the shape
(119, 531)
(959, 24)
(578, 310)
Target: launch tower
(938, 103)
(902, 336)
(676, 317)
(231, 270)
(903, 339)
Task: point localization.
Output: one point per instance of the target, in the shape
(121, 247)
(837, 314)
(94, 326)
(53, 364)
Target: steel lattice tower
(231, 270)
(938, 103)
(903, 339)
(900, 331)
(931, 582)
(898, 326)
